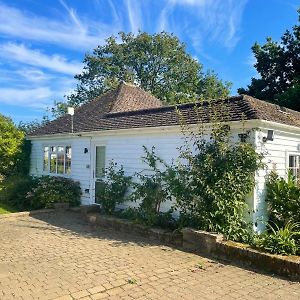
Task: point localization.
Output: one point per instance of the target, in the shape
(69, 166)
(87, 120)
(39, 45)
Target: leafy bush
(283, 241)
(54, 189)
(14, 191)
(160, 219)
(151, 189)
(283, 198)
(211, 187)
(112, 189)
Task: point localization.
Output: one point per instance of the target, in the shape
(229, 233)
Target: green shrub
(112, 189)
(284, 241)
(54, 189)
(151, 189)
(14, 191)
(210, 188)
(160, 219)
(283, 197)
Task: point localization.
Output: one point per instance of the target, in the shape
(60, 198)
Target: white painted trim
(283, 128)
(50, 144)
(95, 144)
(287, 162)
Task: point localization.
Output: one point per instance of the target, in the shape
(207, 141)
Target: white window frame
(93, 168)
(287, 167)
(47, 172)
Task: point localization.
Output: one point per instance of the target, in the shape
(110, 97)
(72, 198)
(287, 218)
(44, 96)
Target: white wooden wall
(80, 168)
(276, 158)
(127, 150)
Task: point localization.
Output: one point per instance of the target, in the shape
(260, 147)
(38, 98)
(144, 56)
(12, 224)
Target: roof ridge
(253, 109)
(166, 107)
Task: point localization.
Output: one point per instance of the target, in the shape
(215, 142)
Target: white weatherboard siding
(276, 158)
(125, 147)
(80, 170)
(127, 150)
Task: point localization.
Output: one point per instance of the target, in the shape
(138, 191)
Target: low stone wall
(201, 242)
(216, 246)
(167, 237)
(26, 213)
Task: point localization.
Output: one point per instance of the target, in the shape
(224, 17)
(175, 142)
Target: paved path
(58, 256)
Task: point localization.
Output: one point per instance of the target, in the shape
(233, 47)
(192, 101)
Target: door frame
(95, 144)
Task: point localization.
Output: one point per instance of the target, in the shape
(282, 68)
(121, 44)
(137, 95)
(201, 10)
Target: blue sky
(42, 43)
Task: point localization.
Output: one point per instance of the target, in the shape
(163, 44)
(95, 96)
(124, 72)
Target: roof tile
(130, 107)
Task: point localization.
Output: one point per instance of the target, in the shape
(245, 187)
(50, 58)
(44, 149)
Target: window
(57, 159)
(294, 166)
(68, 156)
(100, 161)
(46, 159)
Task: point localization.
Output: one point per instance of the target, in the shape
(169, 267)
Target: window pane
(294, 166)
(291, 161)
(52, 149)
(68, 160)
(46, 159)
(100, 161)
(60, 149)
(60, 162)
(53, 158)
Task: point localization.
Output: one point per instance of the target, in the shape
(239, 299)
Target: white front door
(98, 168)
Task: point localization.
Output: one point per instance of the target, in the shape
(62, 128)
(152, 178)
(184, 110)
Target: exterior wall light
(269, 137)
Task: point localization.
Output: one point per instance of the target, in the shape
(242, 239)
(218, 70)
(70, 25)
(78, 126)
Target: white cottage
(119, 123)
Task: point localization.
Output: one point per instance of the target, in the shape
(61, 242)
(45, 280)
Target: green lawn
(5, 209)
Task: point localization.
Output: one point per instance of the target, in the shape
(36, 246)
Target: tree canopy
(12, 145)
(278, 64)
(157, 63)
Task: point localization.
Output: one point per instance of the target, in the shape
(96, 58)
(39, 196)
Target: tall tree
(157, 63)
(278, 64)
(11, 145)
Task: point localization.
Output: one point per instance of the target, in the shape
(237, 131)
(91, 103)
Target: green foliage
(290, 98)
(211, 187)
(157, 63)
(160, 219)
(151, 188)
(283, 198)
(11, 142)
(284, 241)
(112, 189)
(278, 64)
(14, 190)
(22, 159)
(31, 126)
(54, 189)
(211, 87)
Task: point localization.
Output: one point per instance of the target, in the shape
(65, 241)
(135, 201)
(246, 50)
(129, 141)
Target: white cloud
(70, 32)
(191, 2)
(35, 95)
(134, 15)
(34, 98)
(217, 20)
(32, 74)
(20, 53)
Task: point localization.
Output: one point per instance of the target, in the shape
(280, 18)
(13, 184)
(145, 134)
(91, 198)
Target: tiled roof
(130, 107)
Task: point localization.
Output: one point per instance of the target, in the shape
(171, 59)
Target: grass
(5, 209)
